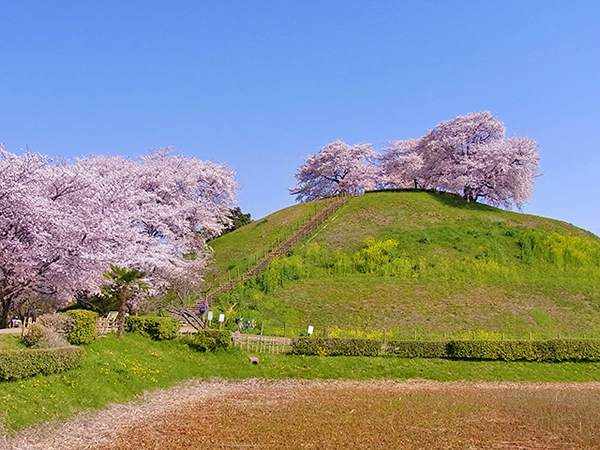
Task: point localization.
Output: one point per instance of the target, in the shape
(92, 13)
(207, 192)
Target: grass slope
(421, 263)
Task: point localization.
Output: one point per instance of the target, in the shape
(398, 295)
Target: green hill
(416, 263)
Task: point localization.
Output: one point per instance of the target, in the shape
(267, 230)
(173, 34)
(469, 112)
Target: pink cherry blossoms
(468, 155)
(337, 168)
(63, 225)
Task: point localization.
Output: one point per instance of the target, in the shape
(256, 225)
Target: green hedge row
(555, 350)
(416, 349)
(27, 363)
(335, 346)
(158, 328)
(208, 340)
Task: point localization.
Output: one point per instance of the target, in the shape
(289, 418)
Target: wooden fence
(106, 325)
(262, 344)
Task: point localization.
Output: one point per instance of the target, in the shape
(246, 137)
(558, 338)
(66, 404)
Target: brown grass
(332, 415)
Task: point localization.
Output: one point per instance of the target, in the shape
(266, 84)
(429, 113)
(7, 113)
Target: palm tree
(125, 282)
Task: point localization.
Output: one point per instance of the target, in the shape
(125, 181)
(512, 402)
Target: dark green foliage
(28, 363)
(208, 340)
(239, 219)
(555, 350)
(84, 326)
(416, 349)
(157, 328)
(494, 350)
(336, 346)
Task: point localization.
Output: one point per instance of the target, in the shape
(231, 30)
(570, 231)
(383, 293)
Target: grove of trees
(63, 225)
(469, 155)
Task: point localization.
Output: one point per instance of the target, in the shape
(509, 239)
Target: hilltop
(416, 262)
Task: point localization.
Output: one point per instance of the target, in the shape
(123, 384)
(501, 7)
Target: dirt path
(292, 414)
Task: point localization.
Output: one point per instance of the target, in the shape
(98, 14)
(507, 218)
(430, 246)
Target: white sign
(210, 315)
(311, 329)
(221, 317)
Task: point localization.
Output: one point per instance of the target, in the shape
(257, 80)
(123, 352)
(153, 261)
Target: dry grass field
(258, 414)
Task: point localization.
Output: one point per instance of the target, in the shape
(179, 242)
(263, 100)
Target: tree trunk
(5, 315)
(123, 297)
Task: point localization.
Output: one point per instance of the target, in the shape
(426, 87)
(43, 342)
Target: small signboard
(221, 318)
(311, 330)
(210, 315)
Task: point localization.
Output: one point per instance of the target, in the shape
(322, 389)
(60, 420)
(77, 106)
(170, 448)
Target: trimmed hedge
(555, 350)
(28, 363)
(416, 349)
(84, 329)
(208, 340)
(157, 328)
(335, 346)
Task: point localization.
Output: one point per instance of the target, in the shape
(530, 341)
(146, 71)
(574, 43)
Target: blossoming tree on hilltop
(337, 168)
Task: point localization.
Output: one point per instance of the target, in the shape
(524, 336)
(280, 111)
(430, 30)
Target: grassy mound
(420, 264)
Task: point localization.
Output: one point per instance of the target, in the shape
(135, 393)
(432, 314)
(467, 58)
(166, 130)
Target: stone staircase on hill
(279, 250)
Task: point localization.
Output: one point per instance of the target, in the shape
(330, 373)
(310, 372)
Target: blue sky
(262, 84)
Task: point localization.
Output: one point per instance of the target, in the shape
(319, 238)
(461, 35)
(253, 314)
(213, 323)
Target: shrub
(570, 350)
(511, 350)
(157, 328)
(42, 336)
(416, 349)
(554, 350)
(84, 326)
(208, 340)
(336, 346)
(135, 324)
(61, 323)
(27, 363)
(494, 350)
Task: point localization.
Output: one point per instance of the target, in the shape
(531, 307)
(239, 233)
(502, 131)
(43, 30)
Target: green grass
(116, 370)
(240, 250)
(428, 263)
(11, 342)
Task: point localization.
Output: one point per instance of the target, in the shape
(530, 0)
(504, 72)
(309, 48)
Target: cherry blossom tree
(40, 229)
(470, 155)
(337, 168)
(63, 225)
(401, 165)
(159, 214)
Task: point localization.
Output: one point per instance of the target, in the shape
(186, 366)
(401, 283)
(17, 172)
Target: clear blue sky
(262, 84)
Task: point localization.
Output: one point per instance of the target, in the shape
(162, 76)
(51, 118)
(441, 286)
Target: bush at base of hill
(336, 346)
(28, 363)
(555, 350)
(155, 327)
(84, 329)
(416, 349)
(208, 340)
(41, 336)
